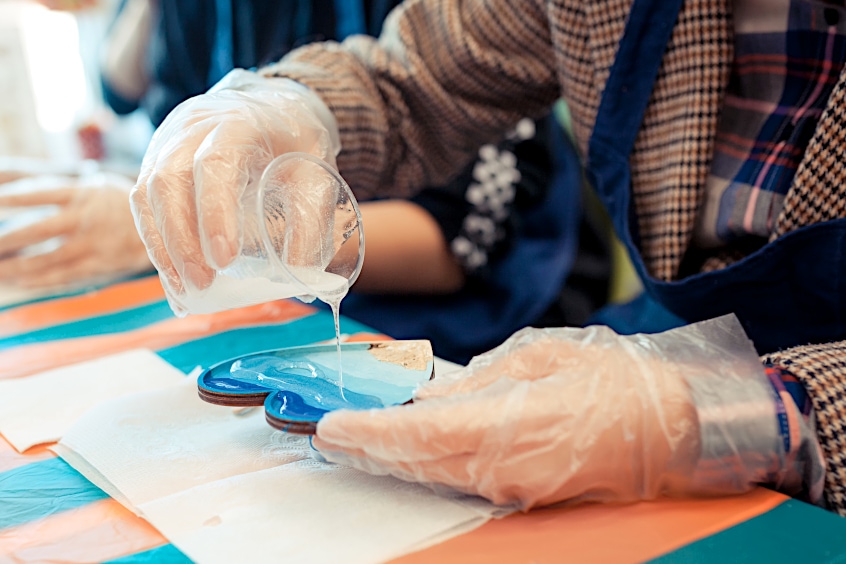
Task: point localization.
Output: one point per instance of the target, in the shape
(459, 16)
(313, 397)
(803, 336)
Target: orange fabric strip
(366, 337)
(10, 458)
(30, 359)
(640, 531)
(63, 310)
(95, 532)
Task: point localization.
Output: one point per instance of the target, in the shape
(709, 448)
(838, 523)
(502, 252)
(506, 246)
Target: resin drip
(302, 378)
(229, 291)
(336, 309)
(333, 288)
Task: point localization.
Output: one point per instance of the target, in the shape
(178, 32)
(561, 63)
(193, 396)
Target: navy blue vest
(790, 292)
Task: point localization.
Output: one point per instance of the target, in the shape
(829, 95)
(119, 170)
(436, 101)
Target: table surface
(50, 513)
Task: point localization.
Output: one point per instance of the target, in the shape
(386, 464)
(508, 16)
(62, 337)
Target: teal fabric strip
(165, 554)
(792, 532)
(229, 344)
(41, 489)
(126, 320)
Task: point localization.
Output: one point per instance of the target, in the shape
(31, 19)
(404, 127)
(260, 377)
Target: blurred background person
(500, 246)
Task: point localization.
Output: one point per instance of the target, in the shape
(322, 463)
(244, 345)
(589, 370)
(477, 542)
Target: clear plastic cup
(302, 237)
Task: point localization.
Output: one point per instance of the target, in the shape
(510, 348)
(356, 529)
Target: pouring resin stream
(331, 290)
(237, 291)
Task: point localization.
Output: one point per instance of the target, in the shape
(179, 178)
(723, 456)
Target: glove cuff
(745, 438)
(248, 81)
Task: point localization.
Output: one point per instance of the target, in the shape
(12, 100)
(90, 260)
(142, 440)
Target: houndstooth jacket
(449, 75)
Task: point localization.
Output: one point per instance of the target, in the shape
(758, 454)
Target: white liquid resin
(227, 292)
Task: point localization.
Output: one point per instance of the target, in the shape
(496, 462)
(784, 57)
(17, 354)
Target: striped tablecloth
(50, 513)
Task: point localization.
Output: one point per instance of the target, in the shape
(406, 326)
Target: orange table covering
(49, 513)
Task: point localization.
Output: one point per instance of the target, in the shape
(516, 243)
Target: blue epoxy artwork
(298, 385)
(316, 385)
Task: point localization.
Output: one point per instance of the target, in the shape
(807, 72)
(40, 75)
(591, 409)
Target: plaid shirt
(788, 56)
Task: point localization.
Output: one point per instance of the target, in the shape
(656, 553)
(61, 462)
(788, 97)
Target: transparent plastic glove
(65, 230)
(196, 180)
(580, 414)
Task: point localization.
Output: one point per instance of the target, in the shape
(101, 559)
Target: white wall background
(49, 83)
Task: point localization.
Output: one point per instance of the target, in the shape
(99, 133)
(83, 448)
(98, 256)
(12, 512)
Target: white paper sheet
(154, 444)
(41, 407)
(305, 512)
(225, 487)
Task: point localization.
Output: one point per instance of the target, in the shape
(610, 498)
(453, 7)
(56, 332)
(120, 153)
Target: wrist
(805, 464)
(751, 432)
(740, 444)
(249, 81)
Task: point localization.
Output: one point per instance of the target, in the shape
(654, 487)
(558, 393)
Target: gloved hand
(198, 177)
(87, 235)
(581, 414)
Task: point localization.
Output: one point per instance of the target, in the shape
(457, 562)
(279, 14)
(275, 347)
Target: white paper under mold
(227, 488)
(40, 408)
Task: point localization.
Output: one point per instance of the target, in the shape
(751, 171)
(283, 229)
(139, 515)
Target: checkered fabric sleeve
(822, 371)
(373, 87)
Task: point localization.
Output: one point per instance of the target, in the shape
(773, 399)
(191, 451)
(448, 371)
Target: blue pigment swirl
(304, 380)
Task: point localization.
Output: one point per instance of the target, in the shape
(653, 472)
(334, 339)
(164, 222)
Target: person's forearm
(442, 80)
(406, 252)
